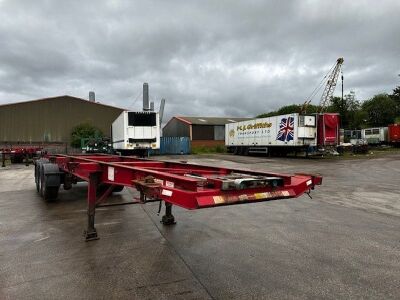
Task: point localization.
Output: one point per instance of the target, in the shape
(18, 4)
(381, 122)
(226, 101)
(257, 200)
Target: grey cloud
(233, 58)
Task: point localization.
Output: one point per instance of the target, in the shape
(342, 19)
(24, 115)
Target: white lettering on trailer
(111, 173)
(166, 193)
(309, 182)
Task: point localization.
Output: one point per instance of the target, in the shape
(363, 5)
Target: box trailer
(283, 134)
(328, 130)
(394, 134)
(136, 132)
(375, 135)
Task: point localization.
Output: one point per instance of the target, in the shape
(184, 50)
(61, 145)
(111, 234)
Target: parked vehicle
(394, 134)
(375, 135)
(283, 134)
(136, 132)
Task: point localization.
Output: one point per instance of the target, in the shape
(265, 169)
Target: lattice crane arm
(330, 85)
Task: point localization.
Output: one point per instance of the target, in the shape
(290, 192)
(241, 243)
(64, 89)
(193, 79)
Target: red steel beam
(173, 187)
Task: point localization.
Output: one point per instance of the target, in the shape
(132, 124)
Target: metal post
(341, 119)
(91, 233)
(3, 160)
(168, 218)
(26, 159)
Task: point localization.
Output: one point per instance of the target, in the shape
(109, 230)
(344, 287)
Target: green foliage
(381, 110)
(289, 109)
(84, 130)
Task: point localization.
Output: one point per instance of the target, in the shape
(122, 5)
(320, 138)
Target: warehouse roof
(210, 120)
(60, 97)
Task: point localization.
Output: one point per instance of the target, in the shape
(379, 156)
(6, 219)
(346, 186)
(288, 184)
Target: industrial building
(202, 131)
(50, 120)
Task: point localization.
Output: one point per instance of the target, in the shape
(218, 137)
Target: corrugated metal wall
(219, 132)
(202, 132)
(52, 119)
(175, 145)
(176, 128)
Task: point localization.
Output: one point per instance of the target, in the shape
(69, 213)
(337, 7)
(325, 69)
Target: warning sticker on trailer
(111, 173)
(250, 197)
(166, 193)
(169, 184)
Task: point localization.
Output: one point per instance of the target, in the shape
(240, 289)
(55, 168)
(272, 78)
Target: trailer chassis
(189, 186)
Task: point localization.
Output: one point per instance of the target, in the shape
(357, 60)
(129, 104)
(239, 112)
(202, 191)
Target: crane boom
(330, 85)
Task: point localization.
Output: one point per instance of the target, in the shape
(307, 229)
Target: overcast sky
(207, 58)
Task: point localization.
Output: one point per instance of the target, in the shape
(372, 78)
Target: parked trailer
(394, 134)
(19, 154)
(375, 135)
(282, 134)
(186, 185)
(328, 135)
(263, 135)
(136, 132)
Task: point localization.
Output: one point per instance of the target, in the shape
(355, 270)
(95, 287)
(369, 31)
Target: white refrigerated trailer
(136, 132)
(272, 135)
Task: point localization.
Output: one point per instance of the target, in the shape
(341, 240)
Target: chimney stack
(151, 106)
(92, 96)
(146, 105)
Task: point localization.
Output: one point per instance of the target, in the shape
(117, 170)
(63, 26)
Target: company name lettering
(254, 126)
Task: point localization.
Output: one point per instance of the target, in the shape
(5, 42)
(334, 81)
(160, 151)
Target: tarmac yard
(344, 243)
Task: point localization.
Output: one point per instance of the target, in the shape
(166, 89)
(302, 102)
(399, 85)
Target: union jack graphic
(286, 130)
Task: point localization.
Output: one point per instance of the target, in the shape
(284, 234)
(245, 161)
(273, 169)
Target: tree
(380, 110)
(289, 109)
(84, 130)
(396, 98)
(347, 109)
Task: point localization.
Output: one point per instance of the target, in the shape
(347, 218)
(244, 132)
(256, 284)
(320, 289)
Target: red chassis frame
(187, 185)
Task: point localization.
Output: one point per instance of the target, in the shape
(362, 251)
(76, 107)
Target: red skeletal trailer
(189, 186)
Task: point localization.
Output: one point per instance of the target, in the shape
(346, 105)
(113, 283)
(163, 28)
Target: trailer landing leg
(91, 232)
(168, 218)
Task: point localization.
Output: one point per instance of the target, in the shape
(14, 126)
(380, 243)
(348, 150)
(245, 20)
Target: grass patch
(205, 150)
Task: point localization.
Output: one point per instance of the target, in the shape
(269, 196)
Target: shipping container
(135, 132)
(394, 134)
(375, 135)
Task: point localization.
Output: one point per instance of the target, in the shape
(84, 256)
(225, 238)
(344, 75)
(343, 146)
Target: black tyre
(48, 187)
(50, 193)
(38, 165)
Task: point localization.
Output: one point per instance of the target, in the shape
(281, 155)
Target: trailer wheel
(49, 181)
(38, 165)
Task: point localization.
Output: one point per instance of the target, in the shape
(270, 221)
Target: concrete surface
(344, 243)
